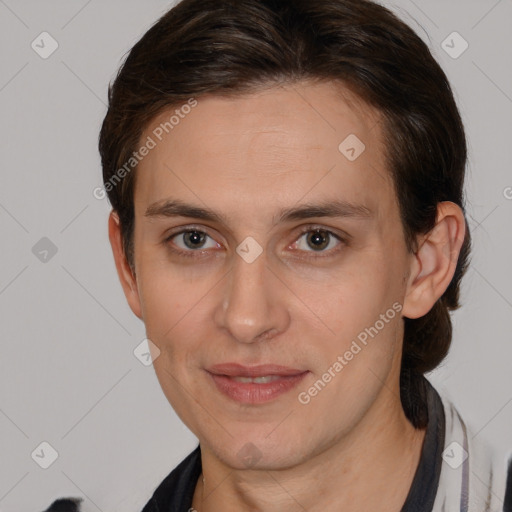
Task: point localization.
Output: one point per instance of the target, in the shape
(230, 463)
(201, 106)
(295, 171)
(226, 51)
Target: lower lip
(252, 393)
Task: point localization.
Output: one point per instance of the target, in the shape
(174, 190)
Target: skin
(351, 447)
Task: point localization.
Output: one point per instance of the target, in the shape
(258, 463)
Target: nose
(253, 305)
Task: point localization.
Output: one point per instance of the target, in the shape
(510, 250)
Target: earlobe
(125, 273)
(434, 263)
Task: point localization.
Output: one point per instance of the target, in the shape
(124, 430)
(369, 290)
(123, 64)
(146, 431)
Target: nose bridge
(251, 304)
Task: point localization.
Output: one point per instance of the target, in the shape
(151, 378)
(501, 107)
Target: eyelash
(304, 231)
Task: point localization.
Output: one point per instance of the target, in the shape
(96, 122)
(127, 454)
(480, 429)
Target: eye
(317, 240)
(191, 240)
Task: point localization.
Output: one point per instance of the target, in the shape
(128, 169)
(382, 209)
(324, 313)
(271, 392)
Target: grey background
(68, 375)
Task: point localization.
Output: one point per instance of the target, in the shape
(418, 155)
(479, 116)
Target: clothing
(445, 479)
(65, 505)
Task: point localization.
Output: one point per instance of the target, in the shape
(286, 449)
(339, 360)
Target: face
(300, 264)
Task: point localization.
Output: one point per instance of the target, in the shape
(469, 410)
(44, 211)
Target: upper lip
(239, 370)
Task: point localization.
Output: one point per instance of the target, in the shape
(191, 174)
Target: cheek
(345, 300)
(354, 315)
(167, 292)
(179, 320)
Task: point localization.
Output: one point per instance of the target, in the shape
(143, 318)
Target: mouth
(254, 384)
(257, 380)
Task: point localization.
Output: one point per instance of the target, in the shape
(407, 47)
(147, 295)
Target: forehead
(270, 148)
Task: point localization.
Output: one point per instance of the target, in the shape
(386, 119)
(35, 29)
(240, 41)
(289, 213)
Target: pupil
(319, 240)
(195, 237)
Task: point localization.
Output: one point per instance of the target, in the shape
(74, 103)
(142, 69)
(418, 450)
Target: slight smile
(254, 384)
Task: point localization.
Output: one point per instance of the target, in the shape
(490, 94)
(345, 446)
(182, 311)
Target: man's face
(209, 297)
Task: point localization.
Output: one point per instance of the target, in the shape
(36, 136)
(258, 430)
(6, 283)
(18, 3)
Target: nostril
(267, 334)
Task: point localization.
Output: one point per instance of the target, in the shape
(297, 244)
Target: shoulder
(65, 505)
(507, 504)
(176, 490)
(475, 476)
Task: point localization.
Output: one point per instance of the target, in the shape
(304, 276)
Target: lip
(251, 392)
(239, 370)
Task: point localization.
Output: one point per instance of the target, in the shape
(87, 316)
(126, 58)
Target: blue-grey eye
(192, 239)
(317, 240)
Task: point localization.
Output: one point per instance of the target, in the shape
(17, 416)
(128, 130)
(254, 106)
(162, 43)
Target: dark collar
(175, 493)
(426, 479)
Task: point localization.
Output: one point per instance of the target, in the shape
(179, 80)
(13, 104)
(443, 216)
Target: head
(248, 110)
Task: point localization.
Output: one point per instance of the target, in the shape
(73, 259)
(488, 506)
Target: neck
(371, 468)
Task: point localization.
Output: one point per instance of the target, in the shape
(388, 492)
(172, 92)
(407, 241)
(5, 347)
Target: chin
(261, 452)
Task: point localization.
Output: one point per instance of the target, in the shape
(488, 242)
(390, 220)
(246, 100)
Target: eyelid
(341, 235)
(185, 229)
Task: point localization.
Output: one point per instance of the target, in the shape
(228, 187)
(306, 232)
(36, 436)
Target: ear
(435, 261)
(125, 273)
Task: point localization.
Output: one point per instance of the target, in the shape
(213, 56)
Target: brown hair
(229, 47)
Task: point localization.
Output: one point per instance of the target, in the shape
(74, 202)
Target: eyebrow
(337, 208)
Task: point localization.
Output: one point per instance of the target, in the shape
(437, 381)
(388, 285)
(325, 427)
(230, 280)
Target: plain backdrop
(68, 373)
